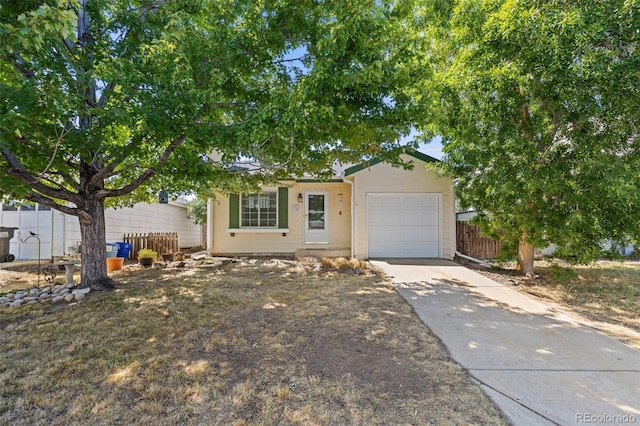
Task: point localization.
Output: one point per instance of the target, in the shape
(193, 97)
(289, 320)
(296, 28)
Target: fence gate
(470, 242)
(160, 242)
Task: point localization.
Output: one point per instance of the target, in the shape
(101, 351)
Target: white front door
(316, 217)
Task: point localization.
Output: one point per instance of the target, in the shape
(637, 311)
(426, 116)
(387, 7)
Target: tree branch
(17, 170)
(106, 94)
(19, 64)
(41, 199)
(148, 173)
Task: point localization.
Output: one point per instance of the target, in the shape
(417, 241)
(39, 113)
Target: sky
(433, 149)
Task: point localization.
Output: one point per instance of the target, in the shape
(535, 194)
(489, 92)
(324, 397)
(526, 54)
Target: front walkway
(538, 364)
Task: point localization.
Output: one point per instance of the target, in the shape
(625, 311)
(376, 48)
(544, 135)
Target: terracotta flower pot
(114, 263)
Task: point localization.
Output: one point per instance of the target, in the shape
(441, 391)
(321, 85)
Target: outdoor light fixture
(300, 197)
(163, 197)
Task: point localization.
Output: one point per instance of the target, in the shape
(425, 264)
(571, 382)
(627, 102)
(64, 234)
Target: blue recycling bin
(124, 249)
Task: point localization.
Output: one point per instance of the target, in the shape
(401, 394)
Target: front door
(316, 217)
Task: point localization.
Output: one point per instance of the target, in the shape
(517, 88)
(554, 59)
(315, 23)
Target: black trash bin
(6, 234)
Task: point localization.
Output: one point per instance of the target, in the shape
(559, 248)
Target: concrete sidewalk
(538, 364)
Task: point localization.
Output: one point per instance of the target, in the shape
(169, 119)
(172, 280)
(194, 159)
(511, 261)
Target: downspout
(353, 209)
(473, 259)
(209, 225)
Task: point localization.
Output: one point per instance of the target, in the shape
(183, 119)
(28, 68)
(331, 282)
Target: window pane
(259, 210)
(316, 211)
(42, 208)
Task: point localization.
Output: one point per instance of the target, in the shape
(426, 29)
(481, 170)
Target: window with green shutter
(267, 209)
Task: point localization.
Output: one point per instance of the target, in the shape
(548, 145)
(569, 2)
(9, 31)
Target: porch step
(320, 253)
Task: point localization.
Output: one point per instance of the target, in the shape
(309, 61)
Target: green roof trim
(319, 180)
(411, 152)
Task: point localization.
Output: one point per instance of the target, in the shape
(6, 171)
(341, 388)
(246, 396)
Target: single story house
(59, 232)
(371, 210)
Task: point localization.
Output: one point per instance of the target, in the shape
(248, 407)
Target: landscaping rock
(79, 296)
(70, 297)
(82, 291)
(16, 303)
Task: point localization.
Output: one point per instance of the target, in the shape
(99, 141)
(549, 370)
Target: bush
(343, 263)
(147, 253)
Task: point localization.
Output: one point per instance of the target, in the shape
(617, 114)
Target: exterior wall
(247, 242)
(142, 218)
(382, 178)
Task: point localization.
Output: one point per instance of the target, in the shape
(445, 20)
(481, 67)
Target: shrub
(343, 263)
(147, 253)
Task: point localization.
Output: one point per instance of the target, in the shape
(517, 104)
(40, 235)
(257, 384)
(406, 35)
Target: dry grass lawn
(239, 344)
(607, 292)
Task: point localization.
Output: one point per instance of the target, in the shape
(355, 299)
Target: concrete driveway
(538, 364)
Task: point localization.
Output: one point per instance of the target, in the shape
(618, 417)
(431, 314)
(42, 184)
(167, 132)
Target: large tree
(540, 109)
(101, 99)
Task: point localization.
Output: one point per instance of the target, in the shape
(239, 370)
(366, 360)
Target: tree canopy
(103, 99)
(539, 107)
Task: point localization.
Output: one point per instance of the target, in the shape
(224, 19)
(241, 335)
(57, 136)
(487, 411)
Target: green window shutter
(283, 207)
(234, 211)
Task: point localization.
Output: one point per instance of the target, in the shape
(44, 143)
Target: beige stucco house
(370, 211)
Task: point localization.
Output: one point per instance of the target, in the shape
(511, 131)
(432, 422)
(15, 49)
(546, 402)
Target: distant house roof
(411, 152)
(339, 170)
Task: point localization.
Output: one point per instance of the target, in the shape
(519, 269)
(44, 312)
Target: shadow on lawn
(235, 345)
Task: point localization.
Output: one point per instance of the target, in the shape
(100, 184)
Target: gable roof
(411, 152)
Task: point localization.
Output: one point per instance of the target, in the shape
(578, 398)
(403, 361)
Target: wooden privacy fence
(160, 242)
(470, 242)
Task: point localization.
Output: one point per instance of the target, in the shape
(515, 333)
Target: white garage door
(403, 225)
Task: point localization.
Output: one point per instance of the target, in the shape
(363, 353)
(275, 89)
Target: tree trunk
(525, 257)
(92, 230)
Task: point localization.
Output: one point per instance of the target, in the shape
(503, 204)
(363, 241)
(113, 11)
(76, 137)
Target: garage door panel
(402, 249)
(403, 225)
(404, 233)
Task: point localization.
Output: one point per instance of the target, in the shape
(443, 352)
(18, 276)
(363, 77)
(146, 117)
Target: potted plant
(146, 257)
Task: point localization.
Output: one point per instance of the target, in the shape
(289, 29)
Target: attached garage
(403, 225)
(402, 213)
